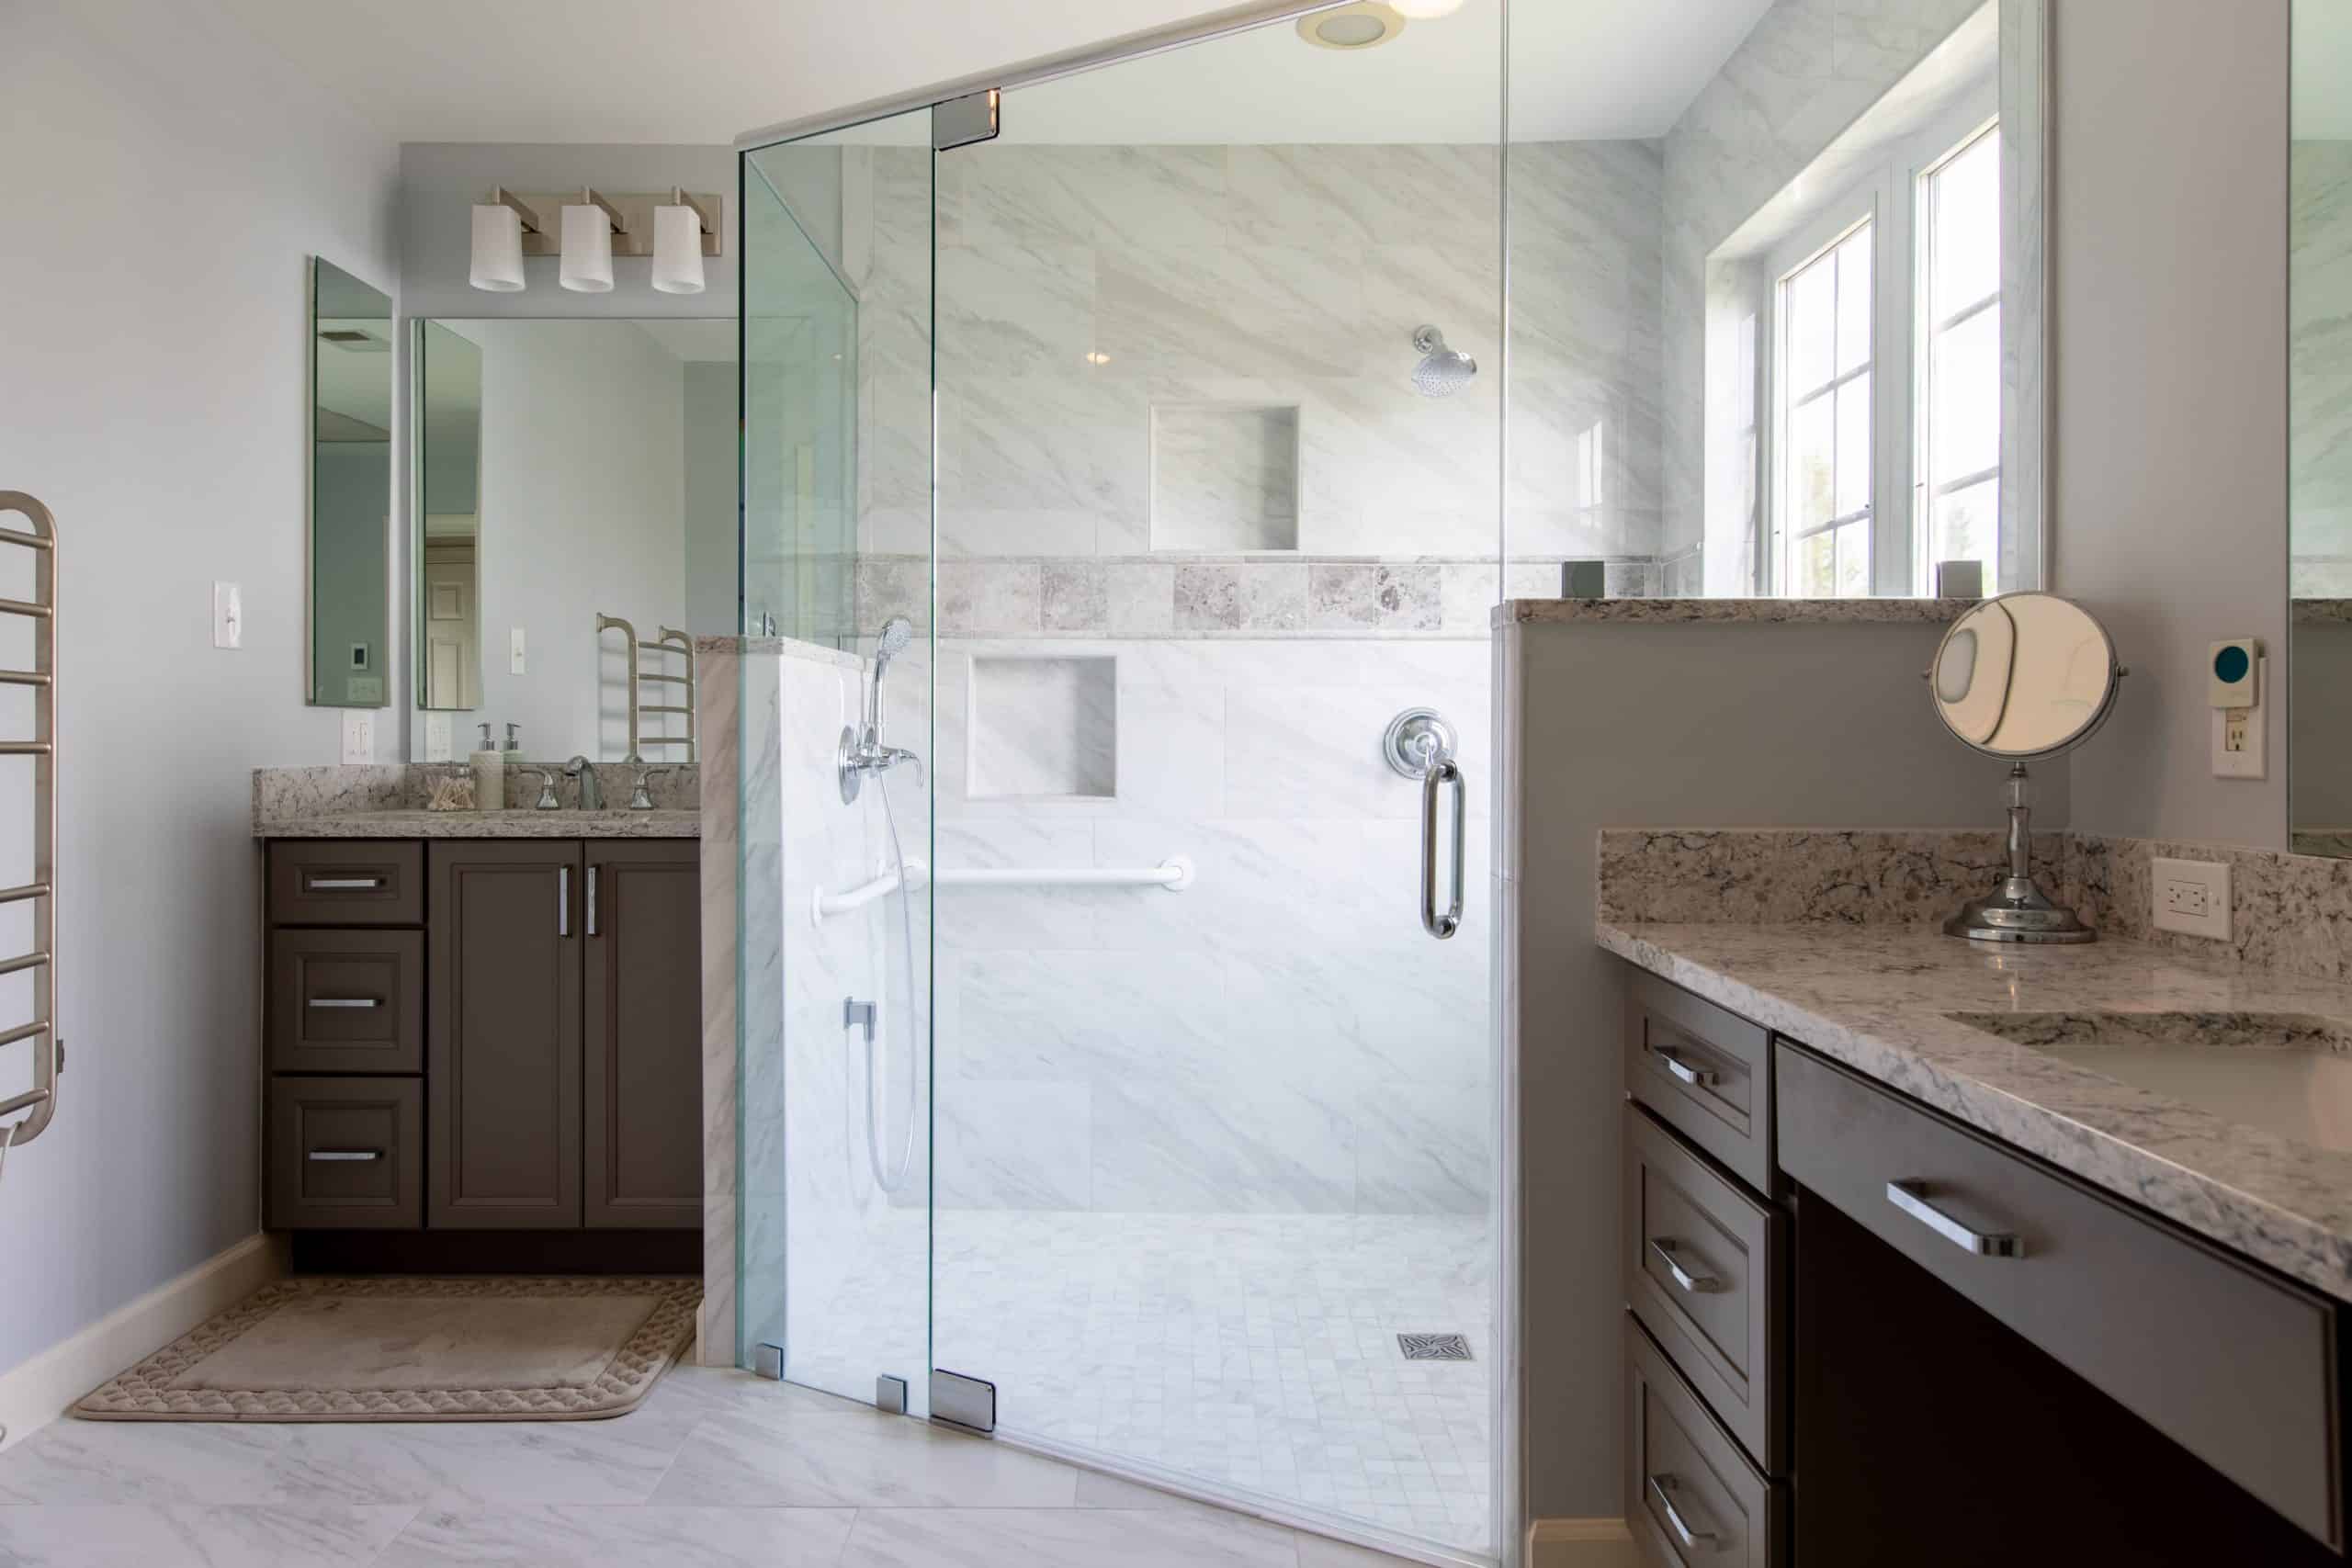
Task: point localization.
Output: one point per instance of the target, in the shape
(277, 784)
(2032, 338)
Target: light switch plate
(359, 735)
(437, 738)
(514, 651)
(227, 615)
(2192, 896)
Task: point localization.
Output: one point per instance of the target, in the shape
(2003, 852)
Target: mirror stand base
(2018, 912)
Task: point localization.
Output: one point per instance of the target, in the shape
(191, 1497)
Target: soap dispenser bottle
(490, 774)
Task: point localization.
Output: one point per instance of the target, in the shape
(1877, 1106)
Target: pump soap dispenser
(489, 772)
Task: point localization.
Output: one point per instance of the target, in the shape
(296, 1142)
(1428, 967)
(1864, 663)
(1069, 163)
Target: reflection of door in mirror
(449, 484)
(1870, 382)
(351, 489)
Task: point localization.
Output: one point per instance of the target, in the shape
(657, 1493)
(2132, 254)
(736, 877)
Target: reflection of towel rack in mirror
(40, 609)
(671, 642)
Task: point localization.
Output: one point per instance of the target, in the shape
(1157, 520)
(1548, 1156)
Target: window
(1959, 414)
(1825, 426)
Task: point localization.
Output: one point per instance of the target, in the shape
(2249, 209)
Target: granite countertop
(417, 824)
(1542, 612)
(1874, 998)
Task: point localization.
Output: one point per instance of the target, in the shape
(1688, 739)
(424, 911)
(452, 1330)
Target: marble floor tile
(132, 1535)
(870, 1461)
(1064, 1537)
(597, 1537)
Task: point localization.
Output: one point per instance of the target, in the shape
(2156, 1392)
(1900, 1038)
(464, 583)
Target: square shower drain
(1434, 1346)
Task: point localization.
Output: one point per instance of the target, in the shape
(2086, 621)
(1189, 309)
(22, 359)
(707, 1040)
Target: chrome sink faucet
(592, 793)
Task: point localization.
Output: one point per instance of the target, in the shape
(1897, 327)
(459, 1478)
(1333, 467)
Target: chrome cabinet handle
(340, 883)
(1911, 1197)
(1697, 1077)
(340, 1156)
(346, 1002)
(591, 901)
(563, 900)
(1440, 773)
(1663, 1249)
(1662, 1487)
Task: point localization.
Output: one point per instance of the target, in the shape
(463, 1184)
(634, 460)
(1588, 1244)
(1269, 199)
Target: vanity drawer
(347, 1153)
(346, 1001)
(1705, 1273)
(2236, 1367)
(335, 881)
(1691, 1497)
(1707, 1073)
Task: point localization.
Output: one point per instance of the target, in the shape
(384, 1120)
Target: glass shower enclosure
(1122, 459)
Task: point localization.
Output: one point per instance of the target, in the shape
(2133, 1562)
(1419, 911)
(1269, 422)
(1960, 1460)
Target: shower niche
(1225, 477)
(1042, 727)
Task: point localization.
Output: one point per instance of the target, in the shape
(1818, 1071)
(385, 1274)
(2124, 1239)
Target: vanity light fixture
(499, 226)
(589, 225)
(679, 229)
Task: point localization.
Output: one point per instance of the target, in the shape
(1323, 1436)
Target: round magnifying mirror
(2021, 676)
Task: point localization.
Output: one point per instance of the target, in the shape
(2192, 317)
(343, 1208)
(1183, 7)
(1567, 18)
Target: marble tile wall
(1081, 286)
(2319, 457)
(1279, 1037)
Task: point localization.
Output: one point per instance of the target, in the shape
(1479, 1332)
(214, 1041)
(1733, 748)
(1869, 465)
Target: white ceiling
(639, 71)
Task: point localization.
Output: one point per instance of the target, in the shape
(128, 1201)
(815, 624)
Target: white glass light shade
(1424, 10)
(587, 250)
(677, 249)
(498, 249)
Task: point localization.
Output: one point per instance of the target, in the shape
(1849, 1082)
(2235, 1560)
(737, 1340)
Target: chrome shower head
(896, 634)
(1443, 371)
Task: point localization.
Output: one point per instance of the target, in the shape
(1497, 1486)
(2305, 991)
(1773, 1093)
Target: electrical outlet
(2241, 732)
(437, 738)
(359, 735)
(2192, 896)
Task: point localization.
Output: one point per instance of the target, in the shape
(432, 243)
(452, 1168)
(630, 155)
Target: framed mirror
(1871, 421)
(570, 472)
(2319, 433)
(351, 491)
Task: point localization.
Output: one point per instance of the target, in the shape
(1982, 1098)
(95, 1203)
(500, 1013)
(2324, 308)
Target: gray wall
(155, 395)
(2168, 513)
(1729, 705)
(713, 437)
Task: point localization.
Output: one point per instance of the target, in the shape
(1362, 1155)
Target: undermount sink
(2286, 1073)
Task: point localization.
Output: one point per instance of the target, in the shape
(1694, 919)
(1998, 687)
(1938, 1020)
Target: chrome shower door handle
(1441, 773)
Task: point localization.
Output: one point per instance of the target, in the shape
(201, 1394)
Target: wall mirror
(569, 472)
(1872, 421)
(351, 490)
(2319, 433)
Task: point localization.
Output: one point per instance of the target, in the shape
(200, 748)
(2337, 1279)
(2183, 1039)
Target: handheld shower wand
(863, 748)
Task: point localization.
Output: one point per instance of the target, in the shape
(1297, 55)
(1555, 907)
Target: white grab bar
(1174, 874)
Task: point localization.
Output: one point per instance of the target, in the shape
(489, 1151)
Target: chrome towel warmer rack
(48, 1060)
(670, 641)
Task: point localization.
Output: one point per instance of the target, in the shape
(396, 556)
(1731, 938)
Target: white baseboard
(1580, 1543)
(33, 1394)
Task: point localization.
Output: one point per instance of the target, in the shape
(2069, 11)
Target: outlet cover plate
(358, 737)
(2192, 896)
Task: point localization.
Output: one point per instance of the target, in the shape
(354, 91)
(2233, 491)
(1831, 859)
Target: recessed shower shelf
(1042, 727)
(1224, 475)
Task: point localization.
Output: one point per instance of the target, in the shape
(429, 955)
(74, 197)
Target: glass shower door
(1217, 468)
(834, 1106)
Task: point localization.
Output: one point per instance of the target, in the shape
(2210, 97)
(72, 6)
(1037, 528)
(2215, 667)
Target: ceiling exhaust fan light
(1362, 26)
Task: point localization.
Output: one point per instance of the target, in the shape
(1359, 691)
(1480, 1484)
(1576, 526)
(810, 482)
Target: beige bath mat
(408, 1349)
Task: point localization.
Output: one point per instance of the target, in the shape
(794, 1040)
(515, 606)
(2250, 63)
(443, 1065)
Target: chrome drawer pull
(1697, 1077)
(1662, 1487)
(1911, 1197)
(340, 883)
(344, 1002)
(343, 1155)
(1663, 1249)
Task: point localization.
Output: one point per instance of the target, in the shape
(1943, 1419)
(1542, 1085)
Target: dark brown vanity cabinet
(521, 1052)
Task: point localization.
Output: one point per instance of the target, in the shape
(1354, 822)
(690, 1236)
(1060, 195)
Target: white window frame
(1888, 196)
(1923, 333)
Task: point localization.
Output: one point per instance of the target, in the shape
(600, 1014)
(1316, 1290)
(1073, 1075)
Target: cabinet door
(644, 1024)
(503, 1041)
